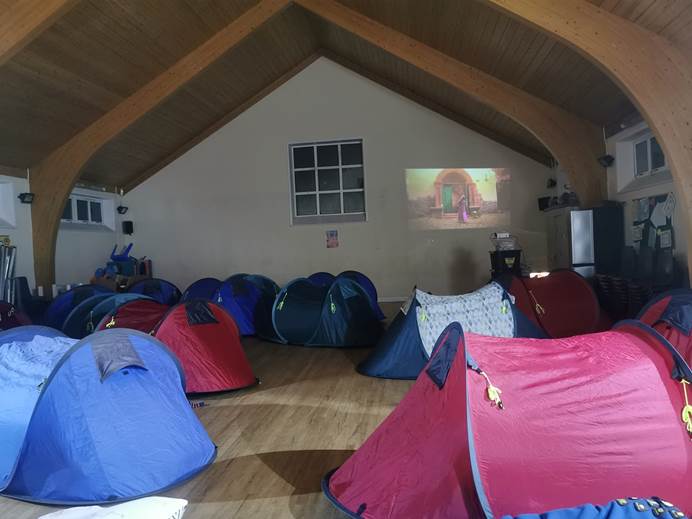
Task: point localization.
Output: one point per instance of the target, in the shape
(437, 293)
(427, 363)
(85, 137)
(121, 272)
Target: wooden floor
(277, 440)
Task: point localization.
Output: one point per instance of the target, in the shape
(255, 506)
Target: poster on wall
(458, 198)
(332, 239)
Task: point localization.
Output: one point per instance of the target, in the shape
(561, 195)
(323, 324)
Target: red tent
(139, 314)
(10, 317)
(584, 419)
(206, 340)
(562, 303)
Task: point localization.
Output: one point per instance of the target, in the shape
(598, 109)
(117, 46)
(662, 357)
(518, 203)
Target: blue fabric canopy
(338, 315)
(159, 290)
(204, 288)
(101, 420)
(63, 304)
(75, 323)
(625, 508)
(249, 299)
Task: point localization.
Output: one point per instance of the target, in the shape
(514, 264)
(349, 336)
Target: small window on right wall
(648, 157)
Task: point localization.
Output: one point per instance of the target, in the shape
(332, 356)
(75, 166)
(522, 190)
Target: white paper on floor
(145, 508)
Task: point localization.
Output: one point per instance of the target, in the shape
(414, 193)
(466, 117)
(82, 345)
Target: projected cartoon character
(462, 213)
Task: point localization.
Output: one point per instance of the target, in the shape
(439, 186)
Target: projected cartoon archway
(458, 198)
(453, 186)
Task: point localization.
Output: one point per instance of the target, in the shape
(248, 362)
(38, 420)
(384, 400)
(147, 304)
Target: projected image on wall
(458, 198)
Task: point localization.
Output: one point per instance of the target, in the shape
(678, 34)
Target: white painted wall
(18, 225)
(80, 250)
(223, 207)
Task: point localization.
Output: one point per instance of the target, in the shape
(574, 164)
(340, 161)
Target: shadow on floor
(265, 475)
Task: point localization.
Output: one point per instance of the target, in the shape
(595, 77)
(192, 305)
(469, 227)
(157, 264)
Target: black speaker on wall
(128, 227)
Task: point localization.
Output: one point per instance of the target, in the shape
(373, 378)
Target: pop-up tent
(139, 314)
(323, 279)
(63, 304)
(405, 348)
(497, 426)
(249, 299)
(159, 290)
(670, 314)
(562, 303)
(204, 288)
(10, 317)
(206, 340)
(86, 319)
(337, 315)
(100, 420)
(75, 324)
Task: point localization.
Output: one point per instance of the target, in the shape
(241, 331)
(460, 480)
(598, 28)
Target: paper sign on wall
(332, 239)
(637, 232)
(666, 238)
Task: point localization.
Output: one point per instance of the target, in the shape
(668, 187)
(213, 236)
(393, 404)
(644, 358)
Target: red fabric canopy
(562, 303)
(210, 353)
(140, 314)
(586, 419)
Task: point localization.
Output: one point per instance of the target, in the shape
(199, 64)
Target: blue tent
(368, 286)
(204, 288)
(249, 299)
(338, 315)
(63, 304)
(100, 420)
(74, 325)
(623, 508)
(323, 279)
(159, 290)
(405, 348)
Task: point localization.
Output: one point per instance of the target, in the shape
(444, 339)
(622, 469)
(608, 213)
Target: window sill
(328, 219)
(86, 227)
(662, 177)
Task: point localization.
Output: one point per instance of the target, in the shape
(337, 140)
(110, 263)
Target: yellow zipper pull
(687, 410)
(494, 392)
(111, 323)
(539, 309)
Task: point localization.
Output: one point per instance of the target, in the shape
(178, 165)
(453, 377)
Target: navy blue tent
(323, 279)
(63, 304)
(100, 420)
(159, 290)
(74, 325)
(368, 286)
(338, 315)
(204, 288)
(249, 299)
(407, 344)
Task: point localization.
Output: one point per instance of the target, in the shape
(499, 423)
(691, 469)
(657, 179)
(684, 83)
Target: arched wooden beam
(652, 71)
(53, 179)
(575, 142)
(25, 20)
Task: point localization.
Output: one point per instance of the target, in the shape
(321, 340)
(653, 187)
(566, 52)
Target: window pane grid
(326, 194)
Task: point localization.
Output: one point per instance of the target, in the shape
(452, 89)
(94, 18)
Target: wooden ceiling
(672, 19)
(102, 51)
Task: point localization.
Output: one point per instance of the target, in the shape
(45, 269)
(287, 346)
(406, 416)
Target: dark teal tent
(337, 315)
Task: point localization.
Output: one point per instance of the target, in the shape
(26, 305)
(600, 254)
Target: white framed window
(83, 210)
(648, 156)
(327, 181)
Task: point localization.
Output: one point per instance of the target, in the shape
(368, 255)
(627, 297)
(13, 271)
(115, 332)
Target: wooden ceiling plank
(652, 71)
(53, 179)
(25, 20)
(575, 143)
